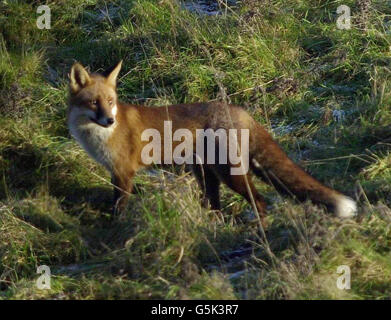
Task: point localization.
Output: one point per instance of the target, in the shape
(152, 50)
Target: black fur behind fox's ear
(78, 78)
(112, 73)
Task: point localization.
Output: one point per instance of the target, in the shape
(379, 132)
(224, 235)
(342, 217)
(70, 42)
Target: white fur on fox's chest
(93, 138)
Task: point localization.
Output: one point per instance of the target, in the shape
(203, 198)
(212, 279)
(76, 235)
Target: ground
(324, 94)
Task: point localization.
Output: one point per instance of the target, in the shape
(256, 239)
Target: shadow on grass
(28, 168)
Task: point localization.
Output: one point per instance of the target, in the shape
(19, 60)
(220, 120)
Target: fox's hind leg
(210, 185)
(243, 185)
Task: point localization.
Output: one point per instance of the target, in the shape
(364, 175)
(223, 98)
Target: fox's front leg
(123, 187)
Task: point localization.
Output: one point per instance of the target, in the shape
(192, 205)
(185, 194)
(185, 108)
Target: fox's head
(93, 96)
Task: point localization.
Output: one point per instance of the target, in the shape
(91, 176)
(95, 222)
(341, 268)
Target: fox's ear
(78, 78)
(113, 74)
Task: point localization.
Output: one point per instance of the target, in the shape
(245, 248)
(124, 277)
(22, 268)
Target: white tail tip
(345, 207)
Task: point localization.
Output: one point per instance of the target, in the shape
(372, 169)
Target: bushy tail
(270, 162)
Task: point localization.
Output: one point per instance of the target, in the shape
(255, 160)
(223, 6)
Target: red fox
(111, 133)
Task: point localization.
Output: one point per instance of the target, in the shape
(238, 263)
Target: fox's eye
(93, 102)
(110, 101)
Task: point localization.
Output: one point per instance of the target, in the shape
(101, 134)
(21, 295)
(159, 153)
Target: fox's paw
(346, 207)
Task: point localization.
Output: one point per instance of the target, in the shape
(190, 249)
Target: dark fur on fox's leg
(210, 185)
(243, 185)
(123, 187)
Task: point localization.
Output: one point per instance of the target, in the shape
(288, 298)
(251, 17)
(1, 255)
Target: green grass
(285, 62)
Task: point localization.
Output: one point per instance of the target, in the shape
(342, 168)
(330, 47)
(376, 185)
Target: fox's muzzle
(104, 122)
(103, 118)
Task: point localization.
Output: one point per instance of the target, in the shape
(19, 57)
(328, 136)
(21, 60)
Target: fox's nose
(110, 121)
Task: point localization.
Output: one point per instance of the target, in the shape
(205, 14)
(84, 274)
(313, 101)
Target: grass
(324, 93)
